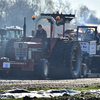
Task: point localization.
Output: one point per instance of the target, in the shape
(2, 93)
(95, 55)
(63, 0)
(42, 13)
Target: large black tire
(73, 59)
(57, 56)
(43, 69)
(9, 50)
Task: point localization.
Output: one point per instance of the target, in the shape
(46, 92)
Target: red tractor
(61, 59)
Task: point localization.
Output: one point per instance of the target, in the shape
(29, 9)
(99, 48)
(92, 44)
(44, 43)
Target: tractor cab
(6, 34)
(88, 39)
(55, 19)
(11, 32)
(88, 33)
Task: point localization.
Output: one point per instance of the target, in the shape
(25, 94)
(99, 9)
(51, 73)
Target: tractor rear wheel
(43, 69)
(57, 56)
(9, 50)
(73, 59)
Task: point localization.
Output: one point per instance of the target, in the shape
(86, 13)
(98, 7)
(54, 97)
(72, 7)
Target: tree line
(12, 12)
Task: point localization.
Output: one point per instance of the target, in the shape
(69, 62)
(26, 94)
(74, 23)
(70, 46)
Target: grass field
(85, 88)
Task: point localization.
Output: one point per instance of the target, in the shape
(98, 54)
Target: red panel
(36, 40)
(35, 45)
(27, 66)
(53, 42)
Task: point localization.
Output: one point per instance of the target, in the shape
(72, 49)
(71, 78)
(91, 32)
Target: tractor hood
(27, 45)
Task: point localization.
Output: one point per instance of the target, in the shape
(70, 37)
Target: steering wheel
(68, 37)
(89, 31)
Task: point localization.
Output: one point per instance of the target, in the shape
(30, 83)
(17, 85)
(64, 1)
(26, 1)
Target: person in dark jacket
(41, 33)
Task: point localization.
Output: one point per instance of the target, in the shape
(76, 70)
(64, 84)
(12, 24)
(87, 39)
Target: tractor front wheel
(43, 69)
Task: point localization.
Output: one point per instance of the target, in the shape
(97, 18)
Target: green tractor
(8, 35)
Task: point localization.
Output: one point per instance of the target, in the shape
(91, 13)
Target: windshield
(87, 34)
(12, 34)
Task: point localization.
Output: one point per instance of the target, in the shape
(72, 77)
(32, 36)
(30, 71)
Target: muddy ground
(32, 84)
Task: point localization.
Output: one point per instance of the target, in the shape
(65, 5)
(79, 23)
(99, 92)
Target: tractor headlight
(25, 58)
(17, 58)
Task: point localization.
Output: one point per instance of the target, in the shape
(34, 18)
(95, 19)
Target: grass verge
(84, 88)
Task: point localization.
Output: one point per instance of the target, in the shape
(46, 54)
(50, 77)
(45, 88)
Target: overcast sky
(91, 4)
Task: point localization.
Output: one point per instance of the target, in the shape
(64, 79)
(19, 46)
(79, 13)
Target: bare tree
(4, 5)
(49, 6)
(85, 15)
(17, 11)
(12, 12)
(63, 6)
(44, 6)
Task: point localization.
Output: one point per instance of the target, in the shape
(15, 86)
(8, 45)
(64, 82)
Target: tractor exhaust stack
(24, 28)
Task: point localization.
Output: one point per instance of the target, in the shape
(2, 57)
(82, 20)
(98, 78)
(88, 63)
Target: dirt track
(28, 84)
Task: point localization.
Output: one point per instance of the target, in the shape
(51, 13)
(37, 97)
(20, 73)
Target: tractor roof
(12, 28)
(63, 18)
(54, 19)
